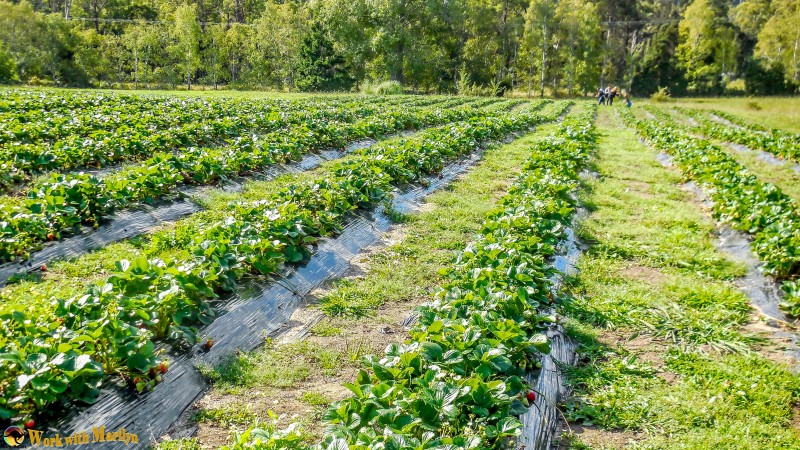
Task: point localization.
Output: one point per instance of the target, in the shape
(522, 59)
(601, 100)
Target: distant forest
(552, 47)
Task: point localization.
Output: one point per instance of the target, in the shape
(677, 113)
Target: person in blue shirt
(601, 95)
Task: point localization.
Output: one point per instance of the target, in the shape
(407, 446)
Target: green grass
(273, 367)
(178, 444)
(315, 399)
(233, 414)
(693, 379)
(774, 112)
(639, 213)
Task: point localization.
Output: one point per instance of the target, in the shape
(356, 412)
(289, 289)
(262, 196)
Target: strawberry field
(484, 304)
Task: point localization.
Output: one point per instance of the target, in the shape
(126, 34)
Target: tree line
(558, 47)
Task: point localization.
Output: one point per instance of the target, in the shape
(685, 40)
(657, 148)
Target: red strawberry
(29, 424)
(50, 236)
(163, 367)
(531, 396)
(44, 268)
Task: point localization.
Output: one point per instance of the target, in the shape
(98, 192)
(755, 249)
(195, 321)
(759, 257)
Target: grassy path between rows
(363, 313)
(672, 356)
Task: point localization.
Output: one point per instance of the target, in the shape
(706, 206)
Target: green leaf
(432, 351)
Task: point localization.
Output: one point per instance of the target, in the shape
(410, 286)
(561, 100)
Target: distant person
(608, 93)
(601, 95)
(627, 96)
(611, 95)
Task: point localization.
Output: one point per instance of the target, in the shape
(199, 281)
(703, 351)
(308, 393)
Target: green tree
(579, 29)
(708, 49)
(273, 47)
(538, 38)
(185, 33)
(8, 67)
(750, 16)
(350, 26)
(779, 39)
(658, 65)
(319, 67)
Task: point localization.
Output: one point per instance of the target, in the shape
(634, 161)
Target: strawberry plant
(63, 202)
(114, 324)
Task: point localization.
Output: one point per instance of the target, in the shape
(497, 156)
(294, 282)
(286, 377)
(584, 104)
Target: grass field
(772, 112)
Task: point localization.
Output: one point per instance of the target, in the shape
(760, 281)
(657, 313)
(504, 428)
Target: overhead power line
(154, 22)
(168, 22)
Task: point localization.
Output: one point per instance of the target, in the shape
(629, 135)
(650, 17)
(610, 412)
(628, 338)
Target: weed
(753, 105)
(273, 366)
(178, 444)
(661, 96)
(233, 414)
(326, 328)
(315, 399)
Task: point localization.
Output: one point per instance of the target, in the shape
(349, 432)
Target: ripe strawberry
(50, 236)
(30, 424)
(531, 396)
(163, 367)
(43, 268)
(209, 343)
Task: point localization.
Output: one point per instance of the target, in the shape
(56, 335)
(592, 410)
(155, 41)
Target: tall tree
(579, 26)
(779, 39)
(274, 44)
(538, 38)
(708, 49)
(185, 33)
(319, 67)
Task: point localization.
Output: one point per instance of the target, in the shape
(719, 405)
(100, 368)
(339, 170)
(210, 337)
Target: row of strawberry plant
(64, 353)
(61, 202)
(459, 382)
(151, 114)
(761, 209)
(21, 102)
(202, 126)
(779, 143)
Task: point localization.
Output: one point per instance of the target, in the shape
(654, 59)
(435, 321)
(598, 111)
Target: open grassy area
(773, 112)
